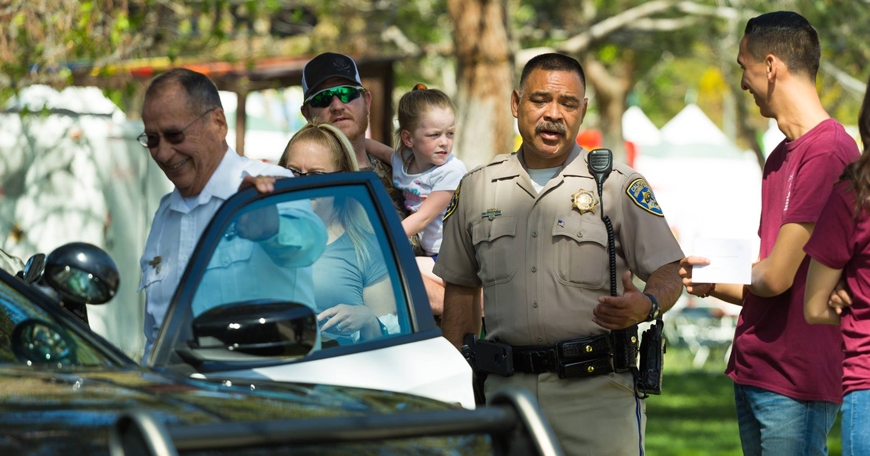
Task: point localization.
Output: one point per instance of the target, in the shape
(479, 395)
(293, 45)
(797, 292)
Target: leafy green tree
(60, 42)
(623, 42)
(656, 53)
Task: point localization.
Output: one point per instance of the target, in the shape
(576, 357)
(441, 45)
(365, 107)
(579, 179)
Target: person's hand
(346, 319)
(263, 184)
(618, 312)
(840, 298)
(686, 266)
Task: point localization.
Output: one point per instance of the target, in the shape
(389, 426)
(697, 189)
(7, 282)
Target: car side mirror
(34, 268)
(259, 327)
(42, 342)
(82, 273)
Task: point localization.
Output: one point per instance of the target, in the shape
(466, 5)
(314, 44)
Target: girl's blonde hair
(351, 214)
(412, 106)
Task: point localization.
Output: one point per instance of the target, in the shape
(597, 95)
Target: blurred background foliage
(658, 54)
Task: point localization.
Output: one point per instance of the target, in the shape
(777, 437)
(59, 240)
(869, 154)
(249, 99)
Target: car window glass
(16, 311)
(330, 253)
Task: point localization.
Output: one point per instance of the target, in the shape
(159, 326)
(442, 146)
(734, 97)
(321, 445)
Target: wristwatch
(655, 310)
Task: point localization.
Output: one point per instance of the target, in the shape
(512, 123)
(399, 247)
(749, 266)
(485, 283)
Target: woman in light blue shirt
(352, 290)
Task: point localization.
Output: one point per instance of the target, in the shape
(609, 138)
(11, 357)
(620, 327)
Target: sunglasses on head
(345, 94)
(152, 140)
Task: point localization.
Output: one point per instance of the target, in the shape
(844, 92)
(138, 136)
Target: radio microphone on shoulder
(600, 164)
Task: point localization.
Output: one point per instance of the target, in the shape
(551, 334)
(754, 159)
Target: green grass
(695, 414)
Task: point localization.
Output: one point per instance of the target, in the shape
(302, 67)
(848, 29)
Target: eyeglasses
(152, 140)
(298, 173)
(345, 94)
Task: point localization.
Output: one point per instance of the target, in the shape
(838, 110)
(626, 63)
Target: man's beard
(357, 130)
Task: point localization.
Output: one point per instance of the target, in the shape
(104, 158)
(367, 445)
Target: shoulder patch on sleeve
(640, 193)
(454, 201)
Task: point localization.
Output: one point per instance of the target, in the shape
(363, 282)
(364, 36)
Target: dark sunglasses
(345, 94)
(152, 140)
(298, 173)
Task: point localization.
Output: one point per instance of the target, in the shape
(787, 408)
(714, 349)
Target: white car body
(376, 369)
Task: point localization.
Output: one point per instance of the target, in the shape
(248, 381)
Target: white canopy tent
(691, 126)
(637, 128)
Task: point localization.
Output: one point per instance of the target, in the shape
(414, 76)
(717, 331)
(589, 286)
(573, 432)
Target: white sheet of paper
(730, 261)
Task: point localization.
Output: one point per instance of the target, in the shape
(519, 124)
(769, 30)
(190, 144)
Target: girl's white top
(417, 187)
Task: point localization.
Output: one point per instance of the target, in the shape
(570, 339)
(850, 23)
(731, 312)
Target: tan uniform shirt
(541, 262)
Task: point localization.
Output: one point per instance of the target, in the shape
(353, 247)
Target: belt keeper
(552, 360)
(528, 361)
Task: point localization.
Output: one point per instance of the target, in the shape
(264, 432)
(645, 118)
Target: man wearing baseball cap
(334, 93)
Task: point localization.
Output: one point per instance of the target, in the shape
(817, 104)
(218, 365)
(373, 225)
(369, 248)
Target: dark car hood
(50, 412)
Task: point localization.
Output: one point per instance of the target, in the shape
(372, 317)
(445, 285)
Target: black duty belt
(583, 357)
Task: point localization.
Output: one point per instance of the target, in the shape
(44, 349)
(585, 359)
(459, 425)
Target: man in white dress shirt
(185, 131)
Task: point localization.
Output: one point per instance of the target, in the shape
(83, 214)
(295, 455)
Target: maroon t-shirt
(774, 347)
(842, 242)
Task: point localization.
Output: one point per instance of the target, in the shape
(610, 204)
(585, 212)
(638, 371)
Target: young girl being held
(423, 167)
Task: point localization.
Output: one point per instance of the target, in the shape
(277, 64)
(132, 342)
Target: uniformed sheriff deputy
(527, 228)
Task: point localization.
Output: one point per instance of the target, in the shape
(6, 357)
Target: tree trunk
(610, 93)
(484, 125)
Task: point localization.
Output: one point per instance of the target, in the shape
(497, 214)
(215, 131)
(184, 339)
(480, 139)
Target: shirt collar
(512, 167)
(220, 185)
(577, 163)
(573, 167)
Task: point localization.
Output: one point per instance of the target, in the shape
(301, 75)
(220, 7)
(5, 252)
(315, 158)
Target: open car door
(330, 242)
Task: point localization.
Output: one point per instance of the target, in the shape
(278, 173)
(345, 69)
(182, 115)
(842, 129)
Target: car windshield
(325, 248)
(30, 335)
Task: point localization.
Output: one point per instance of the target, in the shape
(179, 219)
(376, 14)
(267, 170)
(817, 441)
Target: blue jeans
(855, 422)
(772, 424)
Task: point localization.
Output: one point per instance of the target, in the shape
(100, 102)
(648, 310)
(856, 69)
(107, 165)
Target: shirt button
(534, 234)
(540, 339)
(534, 269)
(183, 258)
(535, 304)
(580, 235)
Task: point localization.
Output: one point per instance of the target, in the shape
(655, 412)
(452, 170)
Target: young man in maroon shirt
(787, 374)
